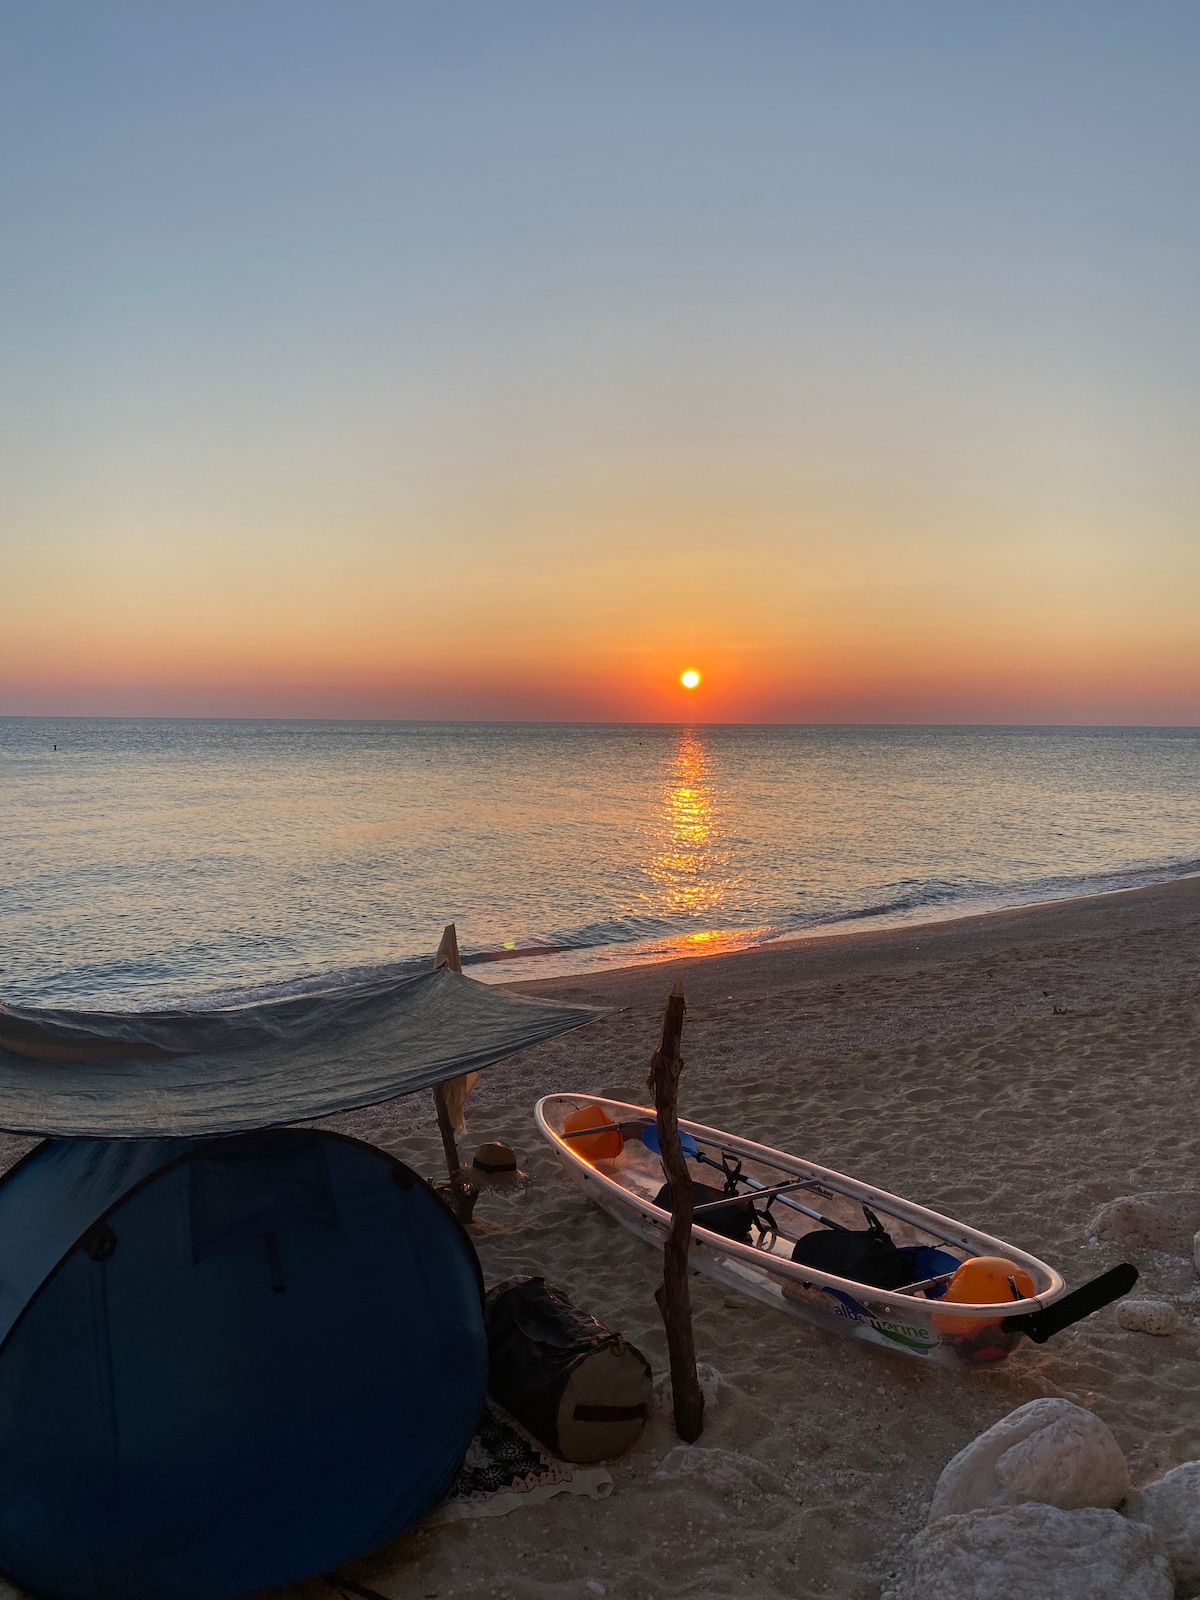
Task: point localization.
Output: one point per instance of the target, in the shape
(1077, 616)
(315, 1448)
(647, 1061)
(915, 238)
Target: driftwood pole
(463, 1193)
(673, 1295)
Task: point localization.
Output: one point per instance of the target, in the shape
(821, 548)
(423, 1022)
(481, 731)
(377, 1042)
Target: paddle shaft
(826, 1183)
(759, 1194)
(757, 1188)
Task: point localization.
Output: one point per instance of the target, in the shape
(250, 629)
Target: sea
(152, 863)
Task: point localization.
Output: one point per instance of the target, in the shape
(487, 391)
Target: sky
(477, 360)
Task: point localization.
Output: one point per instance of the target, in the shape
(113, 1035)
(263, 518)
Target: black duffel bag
(865, 1255)
(576, 1385)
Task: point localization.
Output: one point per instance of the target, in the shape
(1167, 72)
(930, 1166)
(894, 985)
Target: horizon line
(559, 722)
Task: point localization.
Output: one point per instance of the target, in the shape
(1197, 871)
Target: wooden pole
(463, 1193)
(673, 1295)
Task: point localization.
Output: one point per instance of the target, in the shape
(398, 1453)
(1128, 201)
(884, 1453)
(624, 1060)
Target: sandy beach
(1016, 1070)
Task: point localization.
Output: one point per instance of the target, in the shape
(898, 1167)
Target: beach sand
(1014, 1070)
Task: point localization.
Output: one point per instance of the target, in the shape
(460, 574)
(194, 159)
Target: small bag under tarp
(865, 1255)
(733, 1220)
(576, 1385)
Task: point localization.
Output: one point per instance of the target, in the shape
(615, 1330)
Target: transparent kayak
(615, 1161)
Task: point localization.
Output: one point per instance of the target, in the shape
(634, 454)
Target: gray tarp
(148, 1074)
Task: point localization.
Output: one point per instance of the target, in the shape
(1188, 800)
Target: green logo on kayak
(911, 1337)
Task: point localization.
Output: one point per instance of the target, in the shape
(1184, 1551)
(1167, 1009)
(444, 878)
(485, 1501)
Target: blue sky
(395, 357)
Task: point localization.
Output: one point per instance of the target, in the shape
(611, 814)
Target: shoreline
(858, 951)
(488, 964)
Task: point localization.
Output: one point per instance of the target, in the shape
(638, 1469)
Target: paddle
(622, 1128)
(1089, 1297)
(687, 1144)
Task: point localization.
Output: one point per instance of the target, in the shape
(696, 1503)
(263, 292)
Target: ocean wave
(635, 939)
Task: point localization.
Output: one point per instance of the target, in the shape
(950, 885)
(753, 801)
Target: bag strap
(876, 1227)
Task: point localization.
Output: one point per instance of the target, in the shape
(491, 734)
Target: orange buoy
(604, 1146)
(982, 1281)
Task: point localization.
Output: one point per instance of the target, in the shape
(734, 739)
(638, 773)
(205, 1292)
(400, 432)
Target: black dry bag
(733, 1220)
(577, 1386)
(864, 1255)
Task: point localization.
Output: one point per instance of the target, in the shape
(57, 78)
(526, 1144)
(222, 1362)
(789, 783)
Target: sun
(690, 679)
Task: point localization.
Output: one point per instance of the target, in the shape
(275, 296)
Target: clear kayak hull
(920, 1323)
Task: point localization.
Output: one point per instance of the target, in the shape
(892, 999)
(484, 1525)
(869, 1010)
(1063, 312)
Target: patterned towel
(505, 1467)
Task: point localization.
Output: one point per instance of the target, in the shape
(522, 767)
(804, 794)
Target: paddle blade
(650, 1139)
(1073, 1307)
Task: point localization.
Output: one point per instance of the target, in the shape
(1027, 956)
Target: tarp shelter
(238, 1358)
(176, 1074)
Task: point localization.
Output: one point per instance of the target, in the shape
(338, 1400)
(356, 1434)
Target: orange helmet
(982, 1281)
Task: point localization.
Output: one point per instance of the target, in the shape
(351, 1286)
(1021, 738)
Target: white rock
(711, 1384)
(722, 1472)
(1049, 1451)
(1196, 1250)
(1164, 1221)
(1149, 1316)
(1035, 1552)
(1172, 1508)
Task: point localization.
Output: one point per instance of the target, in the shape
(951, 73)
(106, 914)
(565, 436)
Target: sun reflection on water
(688, 867)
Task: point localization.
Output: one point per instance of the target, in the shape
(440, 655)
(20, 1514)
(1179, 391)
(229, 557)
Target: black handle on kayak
(1073, 1307)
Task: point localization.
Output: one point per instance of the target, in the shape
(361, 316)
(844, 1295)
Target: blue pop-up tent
(236, 1359)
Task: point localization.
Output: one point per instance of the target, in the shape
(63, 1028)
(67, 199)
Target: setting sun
(690, 679)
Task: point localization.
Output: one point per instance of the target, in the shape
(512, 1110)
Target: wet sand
(1016, 1070)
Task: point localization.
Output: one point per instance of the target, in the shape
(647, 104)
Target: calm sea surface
(151, 861)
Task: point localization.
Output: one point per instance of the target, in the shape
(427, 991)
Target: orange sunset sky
(465, 361)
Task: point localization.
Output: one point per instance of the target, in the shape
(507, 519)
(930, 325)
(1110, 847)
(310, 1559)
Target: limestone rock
(1164, 1221)
(1172, 1508)
(1049, 1450)
(1149, 1316)
(1033, 1552)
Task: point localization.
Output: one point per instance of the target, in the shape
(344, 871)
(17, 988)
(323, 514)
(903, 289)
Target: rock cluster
(1030, 1509)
